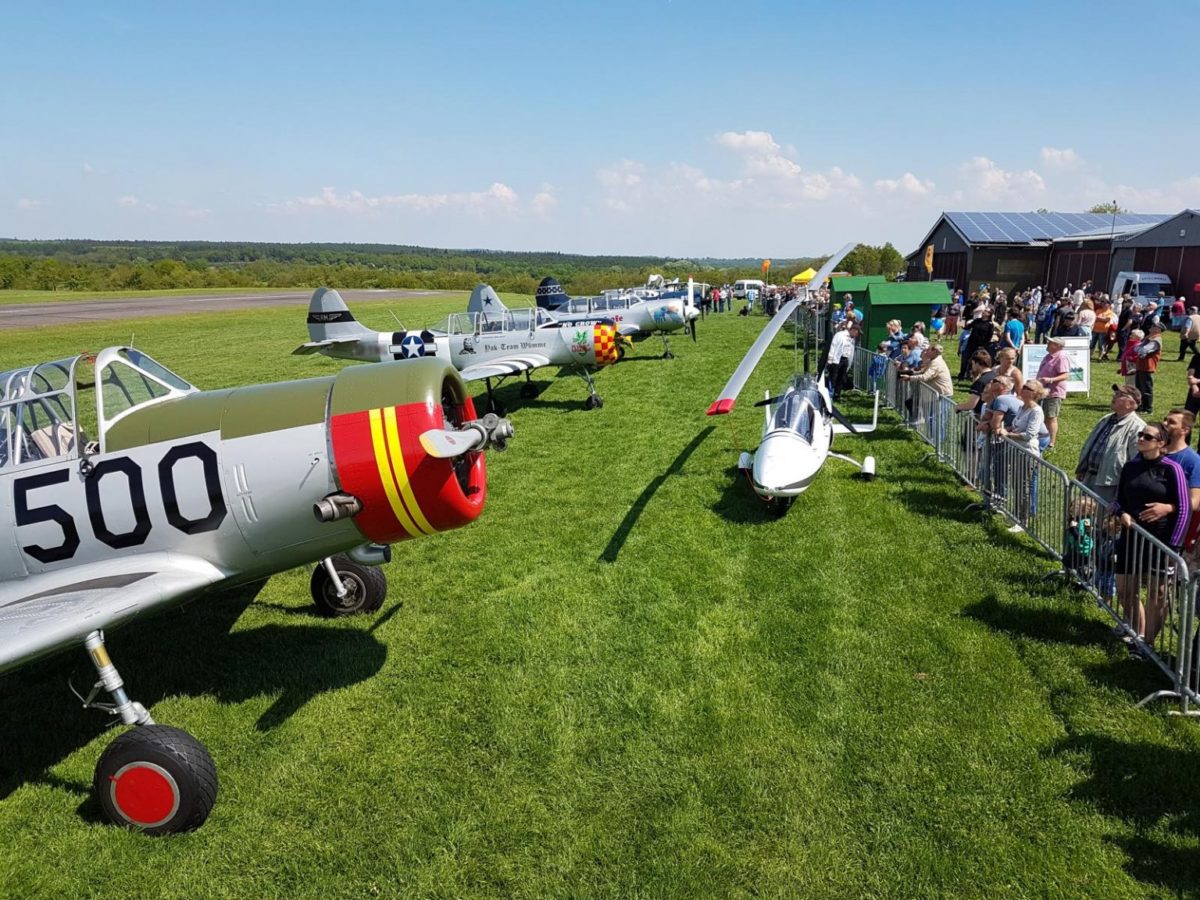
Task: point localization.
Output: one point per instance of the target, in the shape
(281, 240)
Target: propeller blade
(442, 443)
(770, 401)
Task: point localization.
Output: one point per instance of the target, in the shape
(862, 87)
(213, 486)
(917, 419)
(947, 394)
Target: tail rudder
(485, 300)
(550, 294)
(329, 319)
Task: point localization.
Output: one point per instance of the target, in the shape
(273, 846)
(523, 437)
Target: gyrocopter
(800, 421)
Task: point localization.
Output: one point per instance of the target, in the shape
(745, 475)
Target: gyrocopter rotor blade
(724, 403)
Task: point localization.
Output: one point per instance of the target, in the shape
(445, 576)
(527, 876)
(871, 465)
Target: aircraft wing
(724, 403)
(497, 367)
(44, 613)
(318, 346)
(627, 329)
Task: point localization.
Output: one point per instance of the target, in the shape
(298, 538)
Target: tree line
(83, 265)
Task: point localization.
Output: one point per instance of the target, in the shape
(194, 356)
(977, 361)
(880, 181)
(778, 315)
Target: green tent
(908, 301)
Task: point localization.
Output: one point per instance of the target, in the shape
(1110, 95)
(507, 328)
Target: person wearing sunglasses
(1153, 494)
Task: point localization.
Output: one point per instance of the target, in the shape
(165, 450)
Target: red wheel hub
(145, 794)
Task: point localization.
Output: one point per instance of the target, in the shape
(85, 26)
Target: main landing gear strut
(155, 778)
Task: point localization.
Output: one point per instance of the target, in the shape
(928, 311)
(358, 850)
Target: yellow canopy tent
(804, 277)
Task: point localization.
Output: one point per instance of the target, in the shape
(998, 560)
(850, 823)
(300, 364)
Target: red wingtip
(721, 407)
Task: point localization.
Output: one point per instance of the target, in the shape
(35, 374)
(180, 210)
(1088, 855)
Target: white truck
(1142, 287)
(742, 285)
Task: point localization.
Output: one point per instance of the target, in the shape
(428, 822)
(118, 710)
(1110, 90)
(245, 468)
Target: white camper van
(744, 284)
(1142, 287)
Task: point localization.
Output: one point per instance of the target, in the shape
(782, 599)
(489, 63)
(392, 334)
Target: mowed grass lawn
(626, 680)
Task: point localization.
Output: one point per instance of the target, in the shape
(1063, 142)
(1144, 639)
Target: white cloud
(27, 204)
(544, 202)
(989, 182)
(128, 201)
(497, 197)
(908, 183)
(625, 174)
(87, 168)
(760, 153)
(1055, 158)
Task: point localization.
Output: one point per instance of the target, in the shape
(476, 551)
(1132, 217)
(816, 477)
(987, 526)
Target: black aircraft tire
(366, 587)
(157, 779)
(593, 402)
(529, 390)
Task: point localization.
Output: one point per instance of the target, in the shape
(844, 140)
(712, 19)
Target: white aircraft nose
(784, 463)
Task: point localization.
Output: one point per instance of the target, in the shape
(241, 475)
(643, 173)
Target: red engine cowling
(377, 415)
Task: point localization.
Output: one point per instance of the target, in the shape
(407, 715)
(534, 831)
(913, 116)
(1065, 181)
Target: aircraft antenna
(397, 318)
(131, 334)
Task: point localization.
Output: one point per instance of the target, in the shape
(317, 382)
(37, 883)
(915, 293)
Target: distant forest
(83, 265)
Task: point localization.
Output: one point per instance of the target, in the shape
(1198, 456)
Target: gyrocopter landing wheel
(157, 779)
(594, 401)
(529, 390)
(778, 506)
(366, 589)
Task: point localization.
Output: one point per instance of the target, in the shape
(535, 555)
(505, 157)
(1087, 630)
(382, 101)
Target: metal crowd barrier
(1148, 589)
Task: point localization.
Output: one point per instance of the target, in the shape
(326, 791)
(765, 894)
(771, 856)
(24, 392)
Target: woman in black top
(1153, 493)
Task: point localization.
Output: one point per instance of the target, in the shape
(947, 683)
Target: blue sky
(666, 128)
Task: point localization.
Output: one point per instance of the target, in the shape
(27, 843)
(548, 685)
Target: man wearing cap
(1053, 373)
(1145, 364)
(1067, 325)
(1112, 443)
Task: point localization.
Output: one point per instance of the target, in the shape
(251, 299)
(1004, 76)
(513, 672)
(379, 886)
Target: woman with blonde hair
(1006, 364)
(1086, 317)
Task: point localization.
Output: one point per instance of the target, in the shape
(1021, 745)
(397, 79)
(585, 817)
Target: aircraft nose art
(379, 458)
(604, 340)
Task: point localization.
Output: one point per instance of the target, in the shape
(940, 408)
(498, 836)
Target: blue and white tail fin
(550, 294)
(485, 300)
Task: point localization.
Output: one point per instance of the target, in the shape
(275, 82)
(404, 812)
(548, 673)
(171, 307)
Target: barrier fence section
(1147, 588)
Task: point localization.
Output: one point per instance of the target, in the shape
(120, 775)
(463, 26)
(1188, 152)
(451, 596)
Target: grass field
(626, 680)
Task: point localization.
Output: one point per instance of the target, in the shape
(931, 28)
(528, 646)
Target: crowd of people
(1142, 469)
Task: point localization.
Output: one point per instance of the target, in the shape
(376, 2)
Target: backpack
(1078, 546)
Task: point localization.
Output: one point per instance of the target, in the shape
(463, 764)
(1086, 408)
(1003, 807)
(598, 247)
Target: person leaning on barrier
(1153, 493)
(933, 372)
(1111, 444)
(1029, 424)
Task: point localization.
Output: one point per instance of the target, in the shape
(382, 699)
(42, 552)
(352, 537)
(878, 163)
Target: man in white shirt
(841, 354)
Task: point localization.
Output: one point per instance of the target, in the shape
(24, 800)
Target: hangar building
(1014, 250)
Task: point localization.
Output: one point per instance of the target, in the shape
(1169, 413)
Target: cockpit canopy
(65, 408)
(798, 411)
(495, 322)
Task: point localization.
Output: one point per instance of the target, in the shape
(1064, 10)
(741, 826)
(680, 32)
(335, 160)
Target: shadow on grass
(739, 503)
(1062, 626)
(635, 511)
(941, 502)
(1149, 787)
(188, 652)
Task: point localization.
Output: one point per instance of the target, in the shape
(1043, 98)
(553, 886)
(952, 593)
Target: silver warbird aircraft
(638, 312)
(124, 489)
(488, 341)
(800, 422)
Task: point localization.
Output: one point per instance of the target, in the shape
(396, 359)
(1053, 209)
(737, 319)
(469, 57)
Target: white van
(1142, 287)
(742, 285)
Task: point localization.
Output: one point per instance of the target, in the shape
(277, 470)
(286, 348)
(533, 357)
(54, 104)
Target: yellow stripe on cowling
(379, 444)
(397, 454)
